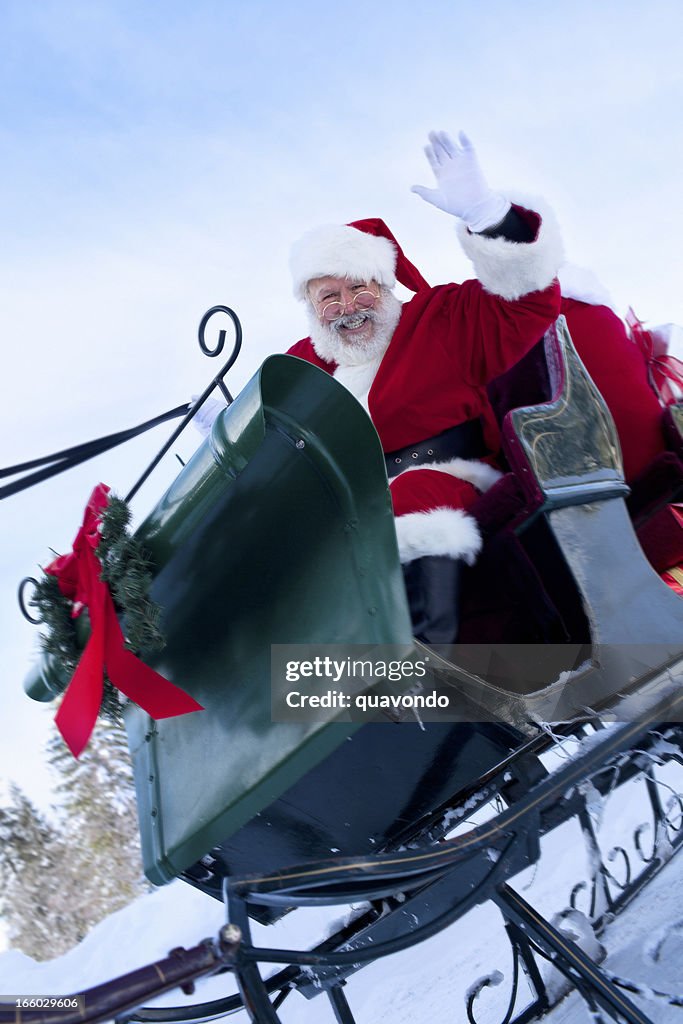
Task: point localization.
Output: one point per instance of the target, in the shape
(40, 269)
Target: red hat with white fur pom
(365, 250)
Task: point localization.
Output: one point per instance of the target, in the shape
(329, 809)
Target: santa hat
(365, 250)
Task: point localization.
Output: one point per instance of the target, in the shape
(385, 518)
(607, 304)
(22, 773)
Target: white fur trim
(359, 379)
(443, 531)
(513, 269)
(480, 474)
(582, 284)
(337, 250)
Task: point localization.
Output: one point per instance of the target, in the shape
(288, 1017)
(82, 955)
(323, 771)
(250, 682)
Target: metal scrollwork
(22, 600)
(619, 851)
(522, 956)
(490, 981)
(220, 345)
(665, 824)
(637, 840)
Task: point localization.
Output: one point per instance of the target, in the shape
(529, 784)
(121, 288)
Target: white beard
(331, 345)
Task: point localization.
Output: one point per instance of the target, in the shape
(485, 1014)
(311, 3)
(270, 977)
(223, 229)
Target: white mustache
(351, 319)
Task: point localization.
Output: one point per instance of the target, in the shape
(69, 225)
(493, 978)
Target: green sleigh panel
(278, 530)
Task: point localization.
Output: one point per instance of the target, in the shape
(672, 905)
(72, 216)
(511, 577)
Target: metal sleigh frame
(414, 893)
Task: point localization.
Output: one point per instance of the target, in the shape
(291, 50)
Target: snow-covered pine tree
(98, 819)
(35, 888)
(61, 877)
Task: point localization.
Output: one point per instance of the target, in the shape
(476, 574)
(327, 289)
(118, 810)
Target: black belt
(466, 441)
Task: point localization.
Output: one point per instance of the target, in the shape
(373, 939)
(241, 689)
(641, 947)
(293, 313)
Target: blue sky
(158, 158)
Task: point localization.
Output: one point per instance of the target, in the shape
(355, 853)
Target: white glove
(462, 189)
(204, 418)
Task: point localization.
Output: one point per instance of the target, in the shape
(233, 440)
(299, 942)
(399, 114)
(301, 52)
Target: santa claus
(420, 368)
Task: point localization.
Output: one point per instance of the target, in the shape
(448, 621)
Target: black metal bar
(446, 892)
(520, 943)
(251, 985)
(361, 885)
(212, 1009)
(340, 1005)
(183, 1014)
(59, 462)
(563, 951)
(97, 444)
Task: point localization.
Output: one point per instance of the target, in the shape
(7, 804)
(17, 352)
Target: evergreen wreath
(126, 571)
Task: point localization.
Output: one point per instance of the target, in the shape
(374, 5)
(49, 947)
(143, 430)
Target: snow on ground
(645, 945)
(429, 982)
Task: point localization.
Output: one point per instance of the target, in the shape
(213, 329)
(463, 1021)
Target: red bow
(78, 576)
(662, 368)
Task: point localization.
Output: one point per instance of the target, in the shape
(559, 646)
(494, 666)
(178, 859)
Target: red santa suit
(450, 341)
(635, 382)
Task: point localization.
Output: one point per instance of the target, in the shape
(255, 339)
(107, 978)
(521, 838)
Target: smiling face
(351, 321)
(347, 306)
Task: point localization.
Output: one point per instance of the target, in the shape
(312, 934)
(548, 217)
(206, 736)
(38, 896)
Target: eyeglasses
(361, 300)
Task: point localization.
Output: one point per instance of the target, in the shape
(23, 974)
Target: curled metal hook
(220, 344)
(22, 601)
(221, 334)
(216, 382)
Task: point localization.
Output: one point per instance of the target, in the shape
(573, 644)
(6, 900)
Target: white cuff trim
(514, 269)
(443, 531)
(480, 474)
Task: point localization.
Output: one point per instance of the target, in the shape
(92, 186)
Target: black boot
(432, 586)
